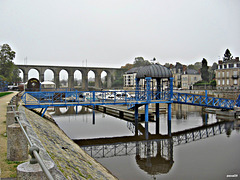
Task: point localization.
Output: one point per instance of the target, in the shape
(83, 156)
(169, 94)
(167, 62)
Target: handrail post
(34, 152)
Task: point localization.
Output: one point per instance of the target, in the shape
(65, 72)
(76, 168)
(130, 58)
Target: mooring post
(169, 118)
(157, 118)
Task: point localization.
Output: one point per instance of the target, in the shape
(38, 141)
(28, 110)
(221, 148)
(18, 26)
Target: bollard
(17, 146)
(11, 117)
(9, 107)
(33, 171)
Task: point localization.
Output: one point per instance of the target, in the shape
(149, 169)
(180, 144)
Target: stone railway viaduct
(111, 74)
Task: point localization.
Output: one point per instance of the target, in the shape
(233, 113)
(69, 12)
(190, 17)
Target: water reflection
(160, 156)
(59, 111)
(154, 156)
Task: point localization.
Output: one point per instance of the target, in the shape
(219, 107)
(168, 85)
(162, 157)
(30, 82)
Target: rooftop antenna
(25, 60)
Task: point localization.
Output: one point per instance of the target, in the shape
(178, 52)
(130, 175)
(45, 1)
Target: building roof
(133, 70)
(154, 71)
(192, 71)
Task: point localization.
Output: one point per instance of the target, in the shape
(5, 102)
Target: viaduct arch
(111, 72)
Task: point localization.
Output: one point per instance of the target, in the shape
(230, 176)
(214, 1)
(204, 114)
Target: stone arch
(63, 78)
(104, 79)
(25, 74)
(77, 79)
(34, 73)
(109, 78)
(49, 75)
(21, 74)
(91, 76)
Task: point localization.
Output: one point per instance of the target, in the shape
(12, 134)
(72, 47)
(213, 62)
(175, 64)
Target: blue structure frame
(43, 99)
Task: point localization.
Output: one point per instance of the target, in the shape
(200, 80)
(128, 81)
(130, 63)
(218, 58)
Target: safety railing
(33, 150)
(200, 100)
(92, 96)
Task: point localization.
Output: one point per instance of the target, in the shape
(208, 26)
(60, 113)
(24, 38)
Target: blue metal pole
(169, 118)
(146, 121)
(137, 89)
(171, 88)
(157, 118)
(136, 120)
(148, 88)
(93, 114)
(206, 100)
(93, 96)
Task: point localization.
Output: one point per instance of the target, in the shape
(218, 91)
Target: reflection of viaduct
(71, 110)
(71, 70)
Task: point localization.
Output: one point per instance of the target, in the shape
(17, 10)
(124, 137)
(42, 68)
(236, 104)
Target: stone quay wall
(70, 161)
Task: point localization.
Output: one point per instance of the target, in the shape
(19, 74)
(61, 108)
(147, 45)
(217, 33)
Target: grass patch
(14, 162)
(4, 93)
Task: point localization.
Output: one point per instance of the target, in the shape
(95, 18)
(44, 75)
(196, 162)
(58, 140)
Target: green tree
(204, 70)
(139, 61)
(7, 68)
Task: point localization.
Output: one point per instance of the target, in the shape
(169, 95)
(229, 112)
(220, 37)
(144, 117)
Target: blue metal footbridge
(44, 99)
(133, 99)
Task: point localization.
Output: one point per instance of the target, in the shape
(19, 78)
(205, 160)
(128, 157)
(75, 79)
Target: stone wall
(70, 160)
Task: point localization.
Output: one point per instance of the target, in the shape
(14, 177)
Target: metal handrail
(34, 151)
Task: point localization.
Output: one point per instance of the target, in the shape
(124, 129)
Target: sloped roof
(192, 71)
(133, 70)
(154, 71)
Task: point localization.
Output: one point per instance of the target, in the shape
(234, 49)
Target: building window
(223, 82)
(235, 73)
(235, 81)
(219, 82)
(225, 66)
(230, 65)
(222, 74)
(227, 74)
(227, 81)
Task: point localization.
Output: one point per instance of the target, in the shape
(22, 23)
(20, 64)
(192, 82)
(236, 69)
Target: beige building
(228, 74)
(129, 78)
(189, 78)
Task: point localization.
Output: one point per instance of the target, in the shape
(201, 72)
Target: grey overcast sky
(112, 33)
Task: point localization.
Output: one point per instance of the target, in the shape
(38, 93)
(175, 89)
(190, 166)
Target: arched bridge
(111, 74)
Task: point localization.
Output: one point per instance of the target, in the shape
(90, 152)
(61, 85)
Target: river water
(201, 147)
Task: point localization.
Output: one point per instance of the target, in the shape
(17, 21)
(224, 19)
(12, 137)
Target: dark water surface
(209, 152)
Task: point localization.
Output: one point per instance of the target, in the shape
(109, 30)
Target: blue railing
(200, 100)
(124, 97)
(79, 97)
